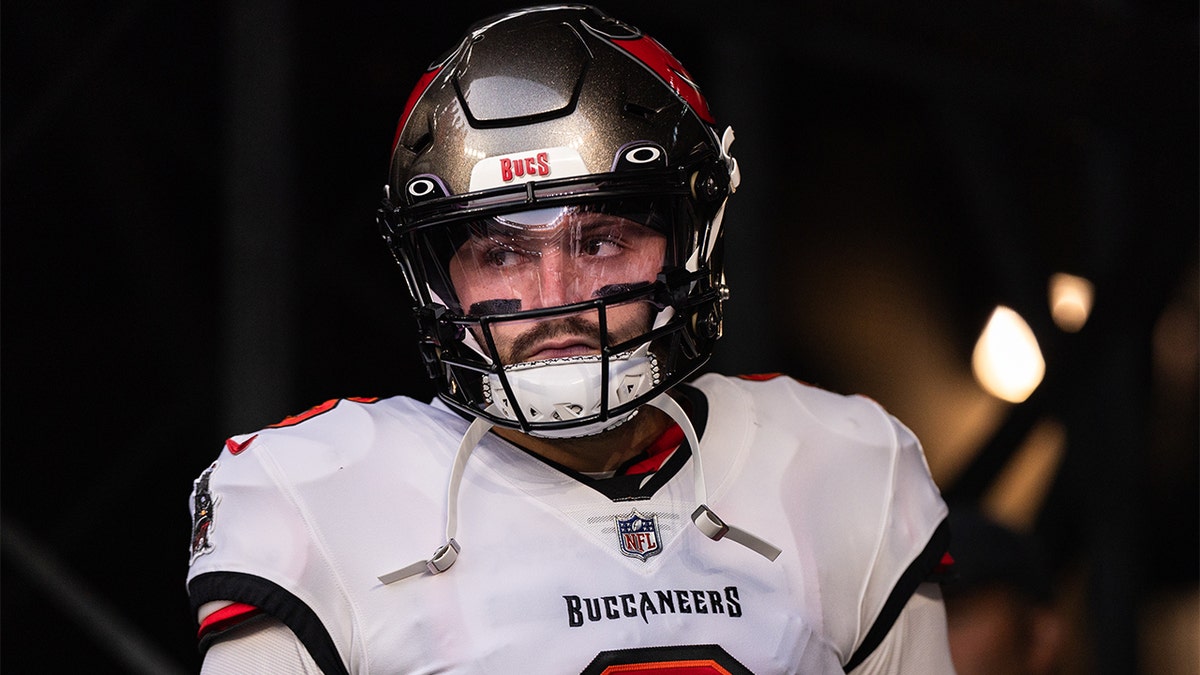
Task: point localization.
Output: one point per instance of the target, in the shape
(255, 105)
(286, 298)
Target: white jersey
(561, 573)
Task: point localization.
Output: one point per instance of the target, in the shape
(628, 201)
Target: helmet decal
(424, 187)
(521, 167)
(640, 155)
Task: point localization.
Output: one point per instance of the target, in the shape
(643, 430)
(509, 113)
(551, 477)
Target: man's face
(551, 258)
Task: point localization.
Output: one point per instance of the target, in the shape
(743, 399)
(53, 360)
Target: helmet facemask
(564, 261)
(559, 320)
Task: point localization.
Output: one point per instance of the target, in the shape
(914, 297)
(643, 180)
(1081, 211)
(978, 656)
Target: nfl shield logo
(638, 535)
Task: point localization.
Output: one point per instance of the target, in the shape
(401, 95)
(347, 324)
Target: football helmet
(554, 200)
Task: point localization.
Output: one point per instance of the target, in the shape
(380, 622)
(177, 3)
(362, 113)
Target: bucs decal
(639, 536)
(536, 165)
(203, 506)
(523, 167)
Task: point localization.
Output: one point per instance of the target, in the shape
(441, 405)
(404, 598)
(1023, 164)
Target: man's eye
(601, 247)
(504, 257)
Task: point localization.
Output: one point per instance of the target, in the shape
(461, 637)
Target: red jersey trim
(944, 566)
(227, 617)
(760, 377)
(658, 451)
(318, 409)
(236, 448)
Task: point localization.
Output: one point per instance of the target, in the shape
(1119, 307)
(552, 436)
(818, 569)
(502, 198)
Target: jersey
(561, 572)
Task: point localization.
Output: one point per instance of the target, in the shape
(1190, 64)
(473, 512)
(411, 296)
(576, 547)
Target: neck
(602, 452)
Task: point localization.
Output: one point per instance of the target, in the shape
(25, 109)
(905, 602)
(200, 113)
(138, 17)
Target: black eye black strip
(499, 306)
(613, 289)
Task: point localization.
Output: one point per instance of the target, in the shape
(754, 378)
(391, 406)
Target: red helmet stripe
(647, 50)
(422, 85)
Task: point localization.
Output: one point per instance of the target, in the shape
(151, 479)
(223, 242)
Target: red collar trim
(658, 452)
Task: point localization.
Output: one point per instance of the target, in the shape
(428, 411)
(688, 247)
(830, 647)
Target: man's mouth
(556, 339)
(562, 348)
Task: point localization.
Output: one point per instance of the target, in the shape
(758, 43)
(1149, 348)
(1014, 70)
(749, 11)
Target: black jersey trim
(696, 404)
(274, 600)
(634, 487)
(918, 572)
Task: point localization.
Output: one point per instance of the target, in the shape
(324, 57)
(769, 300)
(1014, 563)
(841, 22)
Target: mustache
(524, 344)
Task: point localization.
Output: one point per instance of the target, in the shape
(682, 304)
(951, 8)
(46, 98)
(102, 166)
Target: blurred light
(1176, 344)
(1019, 491)
(1007, 361)
(1070, 301)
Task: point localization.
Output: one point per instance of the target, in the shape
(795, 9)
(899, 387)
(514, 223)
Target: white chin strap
(445, 556)
(703, 517)
(560, 390)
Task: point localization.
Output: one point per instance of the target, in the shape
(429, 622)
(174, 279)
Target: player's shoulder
(338, 433)
(857, 481)
(779, 398)
(336, 418)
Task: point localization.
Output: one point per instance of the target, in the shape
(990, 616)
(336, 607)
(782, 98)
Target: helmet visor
(544, 258)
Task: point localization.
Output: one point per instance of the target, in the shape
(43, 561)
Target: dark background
(189, 251)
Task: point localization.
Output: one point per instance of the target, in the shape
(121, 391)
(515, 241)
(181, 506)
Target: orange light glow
(1071, 300)
(1007, 361)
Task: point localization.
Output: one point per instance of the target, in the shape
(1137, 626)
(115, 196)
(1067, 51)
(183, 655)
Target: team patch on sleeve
(203, 510)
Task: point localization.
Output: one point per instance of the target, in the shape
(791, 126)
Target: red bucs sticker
(537, 165)
(522, 167)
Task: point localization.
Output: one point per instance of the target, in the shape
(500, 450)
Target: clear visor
(544, 258)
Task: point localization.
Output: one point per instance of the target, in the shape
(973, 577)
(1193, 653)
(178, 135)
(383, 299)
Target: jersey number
(689, 660)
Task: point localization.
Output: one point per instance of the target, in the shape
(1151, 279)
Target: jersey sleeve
(916, 643)
(869, 513)
(264, 646)
(912, 536)
(252, 544)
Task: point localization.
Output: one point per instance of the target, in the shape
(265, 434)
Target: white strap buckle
(441, 561)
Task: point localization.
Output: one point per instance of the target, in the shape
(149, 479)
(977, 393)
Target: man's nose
(560, 281)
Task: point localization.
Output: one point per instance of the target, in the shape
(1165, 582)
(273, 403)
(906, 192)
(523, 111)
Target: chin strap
(703, 517)
(445, 556)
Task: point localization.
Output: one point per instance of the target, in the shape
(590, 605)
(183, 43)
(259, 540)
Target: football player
(571, 501)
